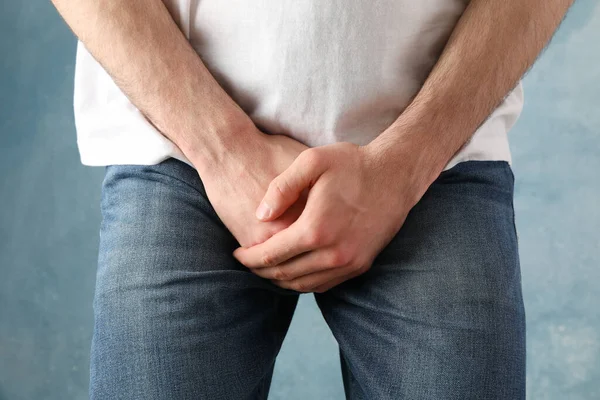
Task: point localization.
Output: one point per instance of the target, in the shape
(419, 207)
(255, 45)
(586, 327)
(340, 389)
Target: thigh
(440, 314)
(176, 316)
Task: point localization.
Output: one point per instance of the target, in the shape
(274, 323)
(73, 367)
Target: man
(257, 150)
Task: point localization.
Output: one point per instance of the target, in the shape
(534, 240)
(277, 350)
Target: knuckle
(279, 186)
(267, 260)
(318, 235)
(279, 274)
(357, 271)
(337, 258)
(312, 157)
(300, 287)
(311, 238)
(356, 265)
(261, 237)
(359, 268)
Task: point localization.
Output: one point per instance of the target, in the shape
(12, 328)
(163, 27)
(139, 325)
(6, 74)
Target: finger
(337, 281)
(308, 283)
(279, 248)
(304, 264)
(284, 190)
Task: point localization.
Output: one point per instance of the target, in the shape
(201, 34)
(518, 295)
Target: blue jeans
(438, 316)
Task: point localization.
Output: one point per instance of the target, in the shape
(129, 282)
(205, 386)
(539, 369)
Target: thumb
(287, 187)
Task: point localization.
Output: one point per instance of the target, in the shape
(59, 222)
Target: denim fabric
(438, 316)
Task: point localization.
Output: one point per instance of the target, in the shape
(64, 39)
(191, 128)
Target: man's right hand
(144, 51)
(235, 186)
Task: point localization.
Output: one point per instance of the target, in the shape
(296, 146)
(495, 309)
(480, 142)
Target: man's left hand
(357, 201)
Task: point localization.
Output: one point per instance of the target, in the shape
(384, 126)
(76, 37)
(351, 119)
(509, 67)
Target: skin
(360, 196)
(162, 75)
(327, 211)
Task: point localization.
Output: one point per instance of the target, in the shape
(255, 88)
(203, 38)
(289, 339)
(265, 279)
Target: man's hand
(356, 204)
(236, 185)
(143, 49)
(360, 196)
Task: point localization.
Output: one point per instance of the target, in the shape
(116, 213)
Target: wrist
(209, 148)
(417, 158)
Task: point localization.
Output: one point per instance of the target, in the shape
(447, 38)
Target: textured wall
(49, 218)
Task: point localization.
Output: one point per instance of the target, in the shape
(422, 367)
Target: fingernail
(263, 211)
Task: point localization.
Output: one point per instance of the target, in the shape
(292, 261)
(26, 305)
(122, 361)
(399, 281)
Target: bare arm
(491, 48)
(352, 212)
(149, 58)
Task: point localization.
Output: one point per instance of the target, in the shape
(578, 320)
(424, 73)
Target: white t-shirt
(320, 71)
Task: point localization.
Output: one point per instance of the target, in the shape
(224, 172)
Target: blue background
(49, 220)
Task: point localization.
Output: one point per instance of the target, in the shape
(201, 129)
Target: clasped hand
(356, 204)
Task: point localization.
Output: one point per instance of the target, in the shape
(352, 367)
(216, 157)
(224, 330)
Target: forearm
(492, 46)
(149, 58)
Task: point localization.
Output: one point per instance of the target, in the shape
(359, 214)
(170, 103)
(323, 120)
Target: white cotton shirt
(320, 71)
